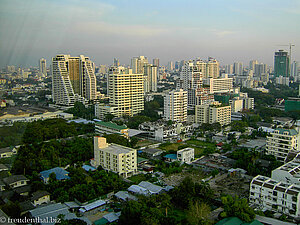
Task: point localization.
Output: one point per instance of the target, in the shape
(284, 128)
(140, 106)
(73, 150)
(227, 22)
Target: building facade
(73, 79)
(281, 64)
(42, 67)
(213, 114)
(175, 106)
(281, 142)
(125, 91)
(116, 158)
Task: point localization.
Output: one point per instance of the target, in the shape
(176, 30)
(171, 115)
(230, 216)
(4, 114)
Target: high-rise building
(229, 69)
(281, 64)
(138, 63)
(42, 67)
(259, 69)
(73, 79)
(175, 106)
(170, 66)
(212, 68)
(116, 62)
(252, 64)
(238, 68)
(220, 85)
(156, 62)
(150, 78)
(295, 70)
(125, 91)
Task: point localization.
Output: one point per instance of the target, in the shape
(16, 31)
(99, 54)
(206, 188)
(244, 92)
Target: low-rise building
(186, 155)
(60, 174)
(7, 152)
(110, 128)
(101, 110)
(40, 197)
(152, 152)
(278, 196)
(15, 181)
(116, 158)
(281, 142)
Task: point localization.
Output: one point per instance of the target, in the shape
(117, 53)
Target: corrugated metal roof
(92, 205)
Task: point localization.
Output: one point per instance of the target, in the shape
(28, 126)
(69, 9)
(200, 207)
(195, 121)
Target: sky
(171, 30)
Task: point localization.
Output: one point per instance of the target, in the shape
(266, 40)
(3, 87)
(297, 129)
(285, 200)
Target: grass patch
(138, 178)
(200, 143)
(170, 146)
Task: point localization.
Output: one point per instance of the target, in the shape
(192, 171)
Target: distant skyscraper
(295, 70)
(252, 64)
(229, 69)
(175, 106)
(73, 79)
(259, 69)
(126, 91)
(156, 62)
(170, 66)
(137, 64)
(116, 62)
(281, 64)
(150, 78)
(42, 67)
(238, 68)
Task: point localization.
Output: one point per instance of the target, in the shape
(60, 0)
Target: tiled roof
(61, 174)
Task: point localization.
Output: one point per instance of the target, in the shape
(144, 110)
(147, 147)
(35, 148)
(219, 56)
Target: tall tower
(42, 67)
(156, 62)
(281, 64)
(73, 79)
(126, 91)
(116, 62)
(175, 106)
(138, 63)
(238, 68)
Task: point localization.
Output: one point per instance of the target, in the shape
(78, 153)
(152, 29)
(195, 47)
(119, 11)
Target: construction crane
(291, 45)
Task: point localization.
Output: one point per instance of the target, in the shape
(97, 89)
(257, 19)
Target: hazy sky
(229, 30)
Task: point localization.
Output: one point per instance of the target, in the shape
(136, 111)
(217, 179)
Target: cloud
(222, 33)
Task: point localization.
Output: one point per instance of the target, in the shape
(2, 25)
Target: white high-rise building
(175, 106)
(125, 91)
(252, 64)
(73, 79)
(229, 69)
(42, 67)
(220, 85)
(213, 114)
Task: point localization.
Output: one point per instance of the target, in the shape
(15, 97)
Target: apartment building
(186, 155)
(73, 79)
(115, 158)
(220, 85)
(101, 110)
(269, 194)
(125, 91)
(281, 142)
(175, 106)
(213, 114)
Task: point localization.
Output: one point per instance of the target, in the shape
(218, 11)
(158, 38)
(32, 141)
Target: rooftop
(291, 132)
(111, 125)
(118, 149)
(38, 194)
(171, 156)
(14, 178)
(60, 173)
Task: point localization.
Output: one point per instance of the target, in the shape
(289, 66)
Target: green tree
(234, 206)
(198, 213)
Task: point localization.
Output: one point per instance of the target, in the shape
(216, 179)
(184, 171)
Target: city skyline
(231, 31)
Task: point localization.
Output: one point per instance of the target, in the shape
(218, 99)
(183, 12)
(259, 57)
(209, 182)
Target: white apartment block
(220, 85)
(281, 142)
(138, 63)
(125, 91)
(186, 155)
(115, 158)
(278, 196)
(73, 79)
(101, 110)
(175, 106)
(191, 76)
(213, 114)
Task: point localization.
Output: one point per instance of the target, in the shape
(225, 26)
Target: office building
(281, 142)
(42, 67)
(73, 79)
(101, 110)
(281, 64)
(125, 91)
(175, 106)
(260, 69)
(295, 71)
(213, 114)
(115, 158)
